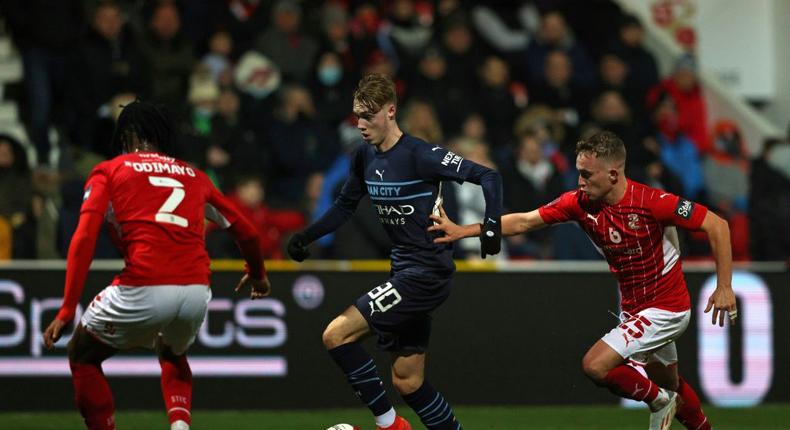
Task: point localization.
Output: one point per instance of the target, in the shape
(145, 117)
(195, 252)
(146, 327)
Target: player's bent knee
(594, 371)
(407, 385)
(334, 337)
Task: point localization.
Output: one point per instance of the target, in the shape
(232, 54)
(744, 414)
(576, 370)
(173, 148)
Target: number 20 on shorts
(380, 294)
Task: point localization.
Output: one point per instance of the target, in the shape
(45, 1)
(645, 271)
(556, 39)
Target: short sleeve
(218, 209)
(670, 209)
(96, 196)
(562, 209)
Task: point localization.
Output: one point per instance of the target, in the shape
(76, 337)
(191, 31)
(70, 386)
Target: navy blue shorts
(399, 310)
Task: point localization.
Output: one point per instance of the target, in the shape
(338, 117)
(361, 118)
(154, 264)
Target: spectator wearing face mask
(332, 90)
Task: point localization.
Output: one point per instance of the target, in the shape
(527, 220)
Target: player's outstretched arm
(512, 224)
(723, 299)
(78, 261)
(521, 222)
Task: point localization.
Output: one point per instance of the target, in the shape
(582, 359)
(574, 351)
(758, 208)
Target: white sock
(660, 401)
(179, 425)
(386, 419)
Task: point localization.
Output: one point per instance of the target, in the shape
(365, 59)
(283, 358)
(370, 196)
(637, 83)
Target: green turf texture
(775, 416)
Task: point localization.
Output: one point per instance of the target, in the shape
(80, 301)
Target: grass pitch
(767, 417)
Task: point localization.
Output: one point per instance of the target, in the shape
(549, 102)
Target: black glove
(490, 237)
(297, 247)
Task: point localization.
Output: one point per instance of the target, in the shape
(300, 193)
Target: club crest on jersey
(684, 209)
(633, 222)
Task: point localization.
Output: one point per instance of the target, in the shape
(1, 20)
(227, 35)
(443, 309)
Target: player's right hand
(259, 288)
(53, 332)
(297, 247)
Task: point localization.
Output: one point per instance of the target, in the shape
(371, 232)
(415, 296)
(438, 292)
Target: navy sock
(360, 369)
(433, 410)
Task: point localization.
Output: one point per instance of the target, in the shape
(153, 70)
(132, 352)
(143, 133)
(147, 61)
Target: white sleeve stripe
(214, 215)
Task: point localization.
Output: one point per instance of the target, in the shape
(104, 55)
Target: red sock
(93, 396)
(689, 411)
(177, 389)
(625, 381)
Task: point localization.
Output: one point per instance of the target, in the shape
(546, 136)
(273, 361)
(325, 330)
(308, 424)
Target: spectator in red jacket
(272, 224)
(684, 88)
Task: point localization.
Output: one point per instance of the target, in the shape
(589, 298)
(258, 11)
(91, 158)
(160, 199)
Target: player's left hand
(441, 223)
(53, 332)
(259, 288)
(722, 300)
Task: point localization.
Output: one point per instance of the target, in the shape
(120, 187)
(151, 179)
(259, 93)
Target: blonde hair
(374, 91)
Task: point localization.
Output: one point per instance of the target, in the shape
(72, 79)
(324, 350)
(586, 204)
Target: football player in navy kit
(403, 177)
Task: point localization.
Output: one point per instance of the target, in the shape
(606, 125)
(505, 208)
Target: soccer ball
(343, 427)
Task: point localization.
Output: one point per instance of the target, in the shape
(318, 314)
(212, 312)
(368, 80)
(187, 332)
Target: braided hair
(144, 126)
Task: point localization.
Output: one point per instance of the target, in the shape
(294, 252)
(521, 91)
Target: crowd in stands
(262, 90)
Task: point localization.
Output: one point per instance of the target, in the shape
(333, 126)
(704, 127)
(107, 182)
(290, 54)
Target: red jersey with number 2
(638, 238)
(157, 206)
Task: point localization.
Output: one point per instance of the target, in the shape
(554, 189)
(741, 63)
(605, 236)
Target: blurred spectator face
(335, 22)
(557, 68)
(474, 127)
(287, 17)
(367, 16)
(529, 150)
(685, 79)
(632, 35)
(117, 103)
(108, 22)
(473, 150)
(251, 193)
(666, 117)
(553, 29)
(495, 73)
(458, 39)
(433, 65)
(420, 117)
(6, 154)
(379, 63)
(330, 71)
(228, 103)
(610, 107)
(446, 7)
(221, 43)
(296, 101)
(613, 70)
(403, 10)
(165, 21)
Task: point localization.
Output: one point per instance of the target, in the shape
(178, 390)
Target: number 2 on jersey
(165, 213)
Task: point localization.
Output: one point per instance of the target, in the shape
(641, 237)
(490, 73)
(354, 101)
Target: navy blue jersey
(403, 184)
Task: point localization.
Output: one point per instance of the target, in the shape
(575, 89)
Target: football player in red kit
(156, 206)
(633, 226)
